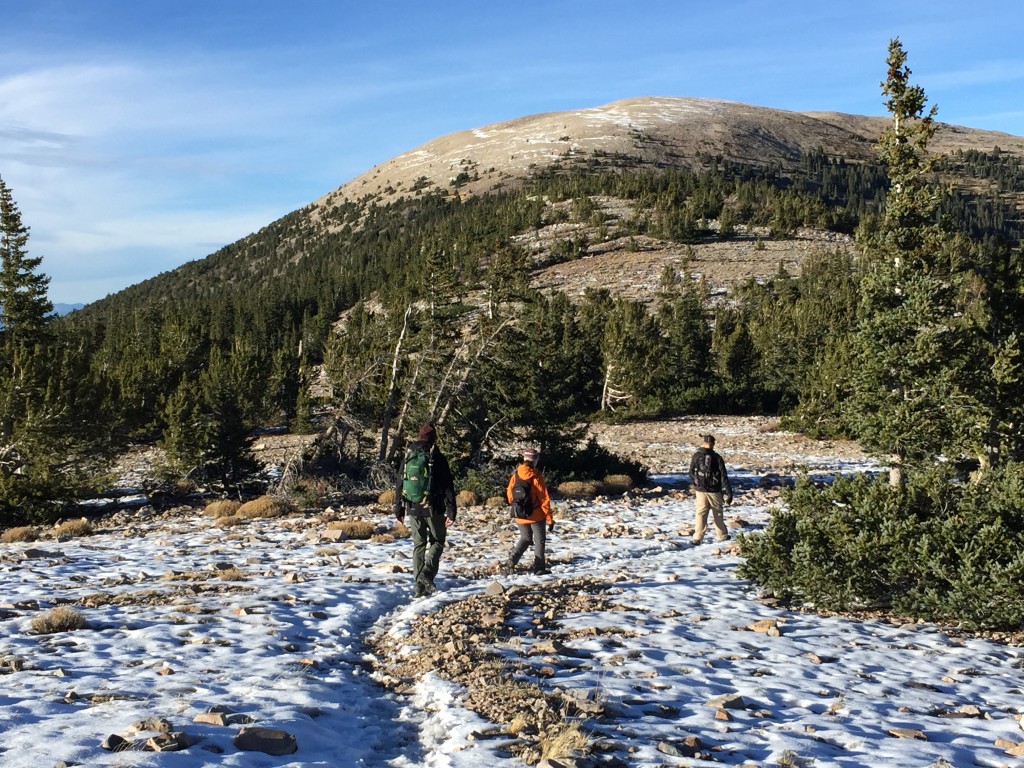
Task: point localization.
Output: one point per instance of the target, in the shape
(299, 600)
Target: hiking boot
(696, 542)
(507, 569)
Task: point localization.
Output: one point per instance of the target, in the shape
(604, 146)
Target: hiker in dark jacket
(710, 481)
(532, 529)
(430, 516)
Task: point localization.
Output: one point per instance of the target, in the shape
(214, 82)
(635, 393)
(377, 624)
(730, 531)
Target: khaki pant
(713, 502)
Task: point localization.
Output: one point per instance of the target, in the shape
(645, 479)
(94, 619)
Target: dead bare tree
(389, 404)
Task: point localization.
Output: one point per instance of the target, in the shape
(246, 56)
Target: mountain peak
(653, 131)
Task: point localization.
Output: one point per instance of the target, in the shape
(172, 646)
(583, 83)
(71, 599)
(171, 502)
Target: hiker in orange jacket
(533, 529)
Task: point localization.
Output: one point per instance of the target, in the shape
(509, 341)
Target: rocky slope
(652, 132)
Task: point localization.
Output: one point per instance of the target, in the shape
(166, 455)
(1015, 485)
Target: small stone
(907, 733)
(115, 743)
(211, 718)
(269, 741)
(726, 701)
(1017, 750)
(495, 589)
(169, 742)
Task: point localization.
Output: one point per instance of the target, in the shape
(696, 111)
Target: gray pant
(530, 533)
(428, 535)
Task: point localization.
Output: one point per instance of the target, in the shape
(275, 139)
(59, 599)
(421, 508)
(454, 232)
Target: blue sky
(138, 135)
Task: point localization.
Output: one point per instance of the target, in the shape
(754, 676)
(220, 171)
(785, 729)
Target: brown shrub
(401, 531)
(383, 538)
(495, 501)
(231, 574)
(387, 498)
(580, 489)
(466, 498)
(21, 533)
(567, 742)
(229, 521)
(617, 483)
(265, 507)
(772, 425)
(59, 619)
(73, 528)
(353, 529)
(222, 508)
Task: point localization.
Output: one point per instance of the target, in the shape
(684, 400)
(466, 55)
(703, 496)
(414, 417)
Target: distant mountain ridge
(652, 132)
(632, 135)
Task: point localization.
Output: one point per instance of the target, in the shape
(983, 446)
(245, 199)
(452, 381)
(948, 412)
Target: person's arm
(397, 507)
(726, 482)
(447, 482)
(693, 467)
(544, 498)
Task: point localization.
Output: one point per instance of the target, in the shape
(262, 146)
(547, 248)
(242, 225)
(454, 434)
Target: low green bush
(934, 548)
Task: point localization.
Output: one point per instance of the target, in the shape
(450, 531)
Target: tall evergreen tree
(47, 414)
(24, 306)
(914, 383)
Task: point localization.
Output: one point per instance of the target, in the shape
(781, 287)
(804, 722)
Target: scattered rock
(115, 743)
(769, 627)
(726, 701)
(170, 742)
(270, 741)
(907, 733)
(211, 718)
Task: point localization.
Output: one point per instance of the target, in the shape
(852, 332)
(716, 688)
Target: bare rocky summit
(651, 132)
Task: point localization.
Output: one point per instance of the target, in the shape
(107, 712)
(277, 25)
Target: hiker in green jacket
(425, 492)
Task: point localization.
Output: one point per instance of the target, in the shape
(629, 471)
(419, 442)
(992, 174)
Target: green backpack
(416, 479)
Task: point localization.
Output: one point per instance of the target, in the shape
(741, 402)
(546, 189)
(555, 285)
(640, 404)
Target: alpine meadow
(531, 283)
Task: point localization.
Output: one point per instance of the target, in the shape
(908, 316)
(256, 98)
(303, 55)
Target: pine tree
(24, 306)
(47, 439)
(915, 381)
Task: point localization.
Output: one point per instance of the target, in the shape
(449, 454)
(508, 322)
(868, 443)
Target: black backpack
(522, 504)
(706, 473)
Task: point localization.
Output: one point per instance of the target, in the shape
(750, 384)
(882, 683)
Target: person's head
(530, 456)
(428, 434)
(709, 441)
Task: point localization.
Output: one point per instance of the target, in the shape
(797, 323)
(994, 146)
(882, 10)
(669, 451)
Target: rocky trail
(639, 649)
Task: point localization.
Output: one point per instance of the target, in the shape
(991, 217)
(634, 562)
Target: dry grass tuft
(401, 531)
(495, 501)
(466, 498)
(353, 529)
(222, 508)
(265, 507)
(21, 533)
(580, 489)
(517, 725)
(73, 529)
(231, 574)
(229, 521)
(383, 538)
(568, 741)
(617, 483)
(59, 619)
(772, 425)
(387, 497)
